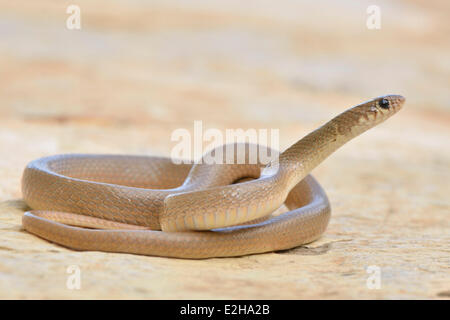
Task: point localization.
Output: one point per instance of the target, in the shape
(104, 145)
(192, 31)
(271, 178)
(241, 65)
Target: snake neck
(298, 160)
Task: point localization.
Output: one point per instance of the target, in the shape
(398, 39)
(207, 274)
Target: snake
(154, 206)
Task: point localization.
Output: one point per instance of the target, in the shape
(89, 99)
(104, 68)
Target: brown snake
(120, 203)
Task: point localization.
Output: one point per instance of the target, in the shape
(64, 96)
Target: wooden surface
(136, 71)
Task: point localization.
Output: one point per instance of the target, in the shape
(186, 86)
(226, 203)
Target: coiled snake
(120, 203)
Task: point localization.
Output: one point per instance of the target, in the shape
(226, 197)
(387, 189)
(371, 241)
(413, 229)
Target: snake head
(385, 105)
(366, 115)
(377, 110)
(390, 103)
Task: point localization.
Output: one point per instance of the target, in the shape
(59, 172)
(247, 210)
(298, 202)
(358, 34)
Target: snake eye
(384, 103)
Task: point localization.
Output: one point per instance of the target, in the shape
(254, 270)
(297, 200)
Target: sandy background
(138, 70)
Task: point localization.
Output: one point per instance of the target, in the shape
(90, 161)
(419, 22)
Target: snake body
(151, 206)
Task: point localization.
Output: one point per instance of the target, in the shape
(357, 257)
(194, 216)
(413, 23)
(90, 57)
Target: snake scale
(151, 206)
